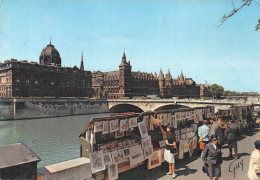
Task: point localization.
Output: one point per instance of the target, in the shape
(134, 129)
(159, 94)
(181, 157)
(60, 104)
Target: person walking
(203, 133)
(254, 163)
(223, 128)
(213, 158)
(170, 149)
(232, 135)
(216, 130)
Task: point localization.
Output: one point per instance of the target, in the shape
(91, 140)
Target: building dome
(50, 55)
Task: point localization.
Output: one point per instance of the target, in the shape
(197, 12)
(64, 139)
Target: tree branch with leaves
(235, 10)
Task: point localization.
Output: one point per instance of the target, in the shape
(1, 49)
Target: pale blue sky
(174, 34)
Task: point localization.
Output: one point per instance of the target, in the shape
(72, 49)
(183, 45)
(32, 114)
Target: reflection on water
(52, 139)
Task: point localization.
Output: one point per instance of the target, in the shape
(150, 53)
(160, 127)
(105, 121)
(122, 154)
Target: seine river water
(52, 139)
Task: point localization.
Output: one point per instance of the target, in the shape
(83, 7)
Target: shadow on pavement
(141, 172)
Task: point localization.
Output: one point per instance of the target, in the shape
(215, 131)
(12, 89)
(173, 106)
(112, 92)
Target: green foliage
(216, 90)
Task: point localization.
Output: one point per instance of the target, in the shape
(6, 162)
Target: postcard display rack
(118, 143)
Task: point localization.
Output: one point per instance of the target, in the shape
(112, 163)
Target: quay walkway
(190, 168)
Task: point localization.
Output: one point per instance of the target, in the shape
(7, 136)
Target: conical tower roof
(161, 75)
(168, 76)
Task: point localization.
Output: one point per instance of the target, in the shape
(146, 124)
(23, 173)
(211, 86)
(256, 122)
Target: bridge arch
(120, 108)
(170, 107)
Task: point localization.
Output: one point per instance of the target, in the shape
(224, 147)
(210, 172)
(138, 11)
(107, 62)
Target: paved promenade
(190, 169)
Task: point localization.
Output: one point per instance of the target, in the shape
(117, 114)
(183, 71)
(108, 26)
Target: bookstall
(118, 143)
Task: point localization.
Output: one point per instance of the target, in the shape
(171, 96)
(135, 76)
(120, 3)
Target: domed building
(44, 79)
(50, 55)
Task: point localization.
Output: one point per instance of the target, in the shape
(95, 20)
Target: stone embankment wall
(26, 108)
(78, 169)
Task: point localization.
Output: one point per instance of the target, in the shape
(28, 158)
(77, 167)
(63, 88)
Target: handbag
(173, 150)
(202, 145)
(205, 168)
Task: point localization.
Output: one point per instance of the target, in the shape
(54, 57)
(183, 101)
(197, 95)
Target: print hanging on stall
(113, 125)
(154, 160)
(107, 158)
(105, 127)
(133, 122)
(146, 142)
(148, 152)
(124, 125)
(112, 172)
(162, 155)
(162, 143)
(119, 134)
(143, 129)
(118, 156)
(126, 152)
(98, 126)
(136, 155)
(97, 161)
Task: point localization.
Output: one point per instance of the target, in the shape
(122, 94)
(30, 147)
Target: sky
(179, 35)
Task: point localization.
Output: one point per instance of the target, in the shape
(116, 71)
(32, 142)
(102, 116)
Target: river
(53, 139)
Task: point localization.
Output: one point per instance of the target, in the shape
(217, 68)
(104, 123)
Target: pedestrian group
(211, 140)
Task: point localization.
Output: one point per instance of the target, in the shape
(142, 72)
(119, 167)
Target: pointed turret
(182, 77)
(124, 57)
(50, 40)
(155, 75)
(81, 63)
(168, 75)
(161, 75)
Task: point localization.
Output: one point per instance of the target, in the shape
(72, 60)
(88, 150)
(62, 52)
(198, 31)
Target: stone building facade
(124, 83)
(47, 78)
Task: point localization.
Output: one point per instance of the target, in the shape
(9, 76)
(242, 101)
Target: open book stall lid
(107, 118)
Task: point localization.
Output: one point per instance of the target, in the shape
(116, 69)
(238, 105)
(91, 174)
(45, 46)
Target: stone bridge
(116, 105)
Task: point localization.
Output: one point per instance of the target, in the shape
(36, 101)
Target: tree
(235, 10)
(216, 90)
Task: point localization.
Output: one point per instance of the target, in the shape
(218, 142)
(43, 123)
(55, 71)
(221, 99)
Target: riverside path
(190, 168)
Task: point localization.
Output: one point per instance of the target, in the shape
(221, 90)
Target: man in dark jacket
(232, 135)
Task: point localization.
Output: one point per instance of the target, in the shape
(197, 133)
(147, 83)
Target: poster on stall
(200, 115)
(107, 158)
(162, 143)
(181, 149)
(155, 121)
(112, 172)
(105, 127)
(118, 156)
(146, 142)
(126, 152)
(154, 160)
(97, 161)
(186, 146)
(98, 126)
(119, 134)
(196, 118)
(162, 155)
(124, 125)
(190, 147)
(194, 142)
(143, 129)
(148, 152)
(146, 121)
(178, 116)
(136, 155)
(133, 122)
(174, 122)
(113, 125)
